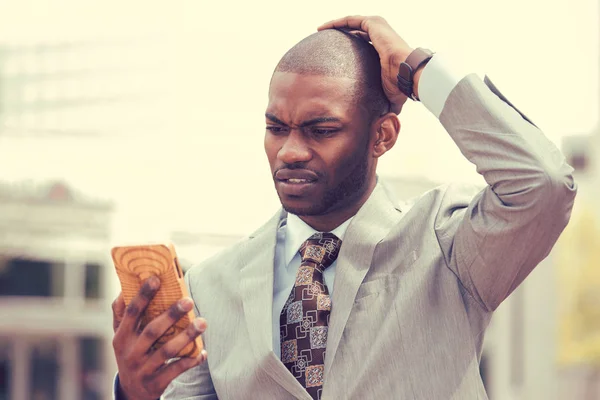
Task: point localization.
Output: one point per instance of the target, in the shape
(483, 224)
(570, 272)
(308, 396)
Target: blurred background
(130, 122)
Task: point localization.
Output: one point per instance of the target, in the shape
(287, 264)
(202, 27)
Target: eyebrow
(314, 121)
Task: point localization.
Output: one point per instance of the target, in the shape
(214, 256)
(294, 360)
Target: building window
(24, 277)
(91, 368)
(44, 372)
(5, 373)
(93, 288)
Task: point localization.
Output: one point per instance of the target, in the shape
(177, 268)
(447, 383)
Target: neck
(332, 219)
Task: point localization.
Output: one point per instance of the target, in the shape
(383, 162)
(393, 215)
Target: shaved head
(340, 54)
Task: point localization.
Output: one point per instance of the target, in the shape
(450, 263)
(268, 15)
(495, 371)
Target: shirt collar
(297, 232)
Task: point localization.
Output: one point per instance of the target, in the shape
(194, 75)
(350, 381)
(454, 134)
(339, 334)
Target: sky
(193, 160)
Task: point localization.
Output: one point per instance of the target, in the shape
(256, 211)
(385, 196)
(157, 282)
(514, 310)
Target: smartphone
(135, 264)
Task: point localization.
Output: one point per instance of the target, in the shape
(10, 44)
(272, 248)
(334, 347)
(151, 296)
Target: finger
(118, 308)
(159, 325)
(361, 34)
(349, 22)
(176, 368)
(170, 349)
(136, 308)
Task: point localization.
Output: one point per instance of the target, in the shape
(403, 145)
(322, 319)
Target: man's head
(328, 120)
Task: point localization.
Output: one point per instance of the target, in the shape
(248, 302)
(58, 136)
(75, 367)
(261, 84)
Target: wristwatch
(406, 73)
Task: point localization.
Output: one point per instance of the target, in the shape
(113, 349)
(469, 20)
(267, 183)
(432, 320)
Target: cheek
(341, 167)
(348, 158)
(347, 165)
(271, 149)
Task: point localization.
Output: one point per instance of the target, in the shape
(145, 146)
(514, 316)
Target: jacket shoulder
(227, 260)
(443, 199)
(216, 263)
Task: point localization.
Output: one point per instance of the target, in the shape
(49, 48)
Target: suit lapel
(256, 289)
(370, 225)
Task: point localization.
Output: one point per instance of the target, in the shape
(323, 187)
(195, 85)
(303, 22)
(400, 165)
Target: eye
(276, 130)
(321, 132)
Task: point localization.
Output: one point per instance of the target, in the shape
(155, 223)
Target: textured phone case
(135, 264)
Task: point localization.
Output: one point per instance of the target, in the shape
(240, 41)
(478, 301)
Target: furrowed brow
(319, 120)
(273, 118)
(314, 121)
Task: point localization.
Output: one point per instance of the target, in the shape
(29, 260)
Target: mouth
(296, 182)
(296, 176)
(296, 188)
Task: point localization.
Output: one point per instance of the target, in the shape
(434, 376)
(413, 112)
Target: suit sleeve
(494, 241)
(195, 383)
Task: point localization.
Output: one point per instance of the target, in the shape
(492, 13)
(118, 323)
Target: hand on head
(392, 50)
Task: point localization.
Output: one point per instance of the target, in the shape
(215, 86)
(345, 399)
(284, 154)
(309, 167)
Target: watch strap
(406, 72)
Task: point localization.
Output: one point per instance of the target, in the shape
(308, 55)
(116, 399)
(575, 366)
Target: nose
(294, 149)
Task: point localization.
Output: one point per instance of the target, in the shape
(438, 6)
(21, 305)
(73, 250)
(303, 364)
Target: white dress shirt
(438, 78)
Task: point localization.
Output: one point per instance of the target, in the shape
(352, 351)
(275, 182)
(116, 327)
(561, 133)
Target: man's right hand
(143, 374)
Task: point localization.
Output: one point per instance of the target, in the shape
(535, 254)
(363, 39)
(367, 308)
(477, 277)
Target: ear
(386, 134)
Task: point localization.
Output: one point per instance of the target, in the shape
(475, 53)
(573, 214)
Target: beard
(348, 190)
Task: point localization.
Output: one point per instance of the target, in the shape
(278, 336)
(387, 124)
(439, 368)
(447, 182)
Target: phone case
(135, 264)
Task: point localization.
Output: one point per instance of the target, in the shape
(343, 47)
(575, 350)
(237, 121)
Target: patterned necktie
(305, 315)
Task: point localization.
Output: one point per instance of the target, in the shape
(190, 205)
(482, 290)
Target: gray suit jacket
(415, 284)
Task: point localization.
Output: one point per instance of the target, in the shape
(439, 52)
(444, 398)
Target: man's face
(317, 142)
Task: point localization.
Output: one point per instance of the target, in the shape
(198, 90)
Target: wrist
(399, 56)
(409, 72)
(416, 79)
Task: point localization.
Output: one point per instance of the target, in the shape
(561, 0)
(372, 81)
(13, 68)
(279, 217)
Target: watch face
(405, 71)
(405, 82)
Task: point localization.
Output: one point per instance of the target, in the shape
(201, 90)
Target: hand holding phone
(152, 345)
(135, 264)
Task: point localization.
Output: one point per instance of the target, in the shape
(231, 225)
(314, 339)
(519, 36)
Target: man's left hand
(392, 49)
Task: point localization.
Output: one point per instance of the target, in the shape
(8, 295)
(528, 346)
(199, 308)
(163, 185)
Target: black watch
(407, 70)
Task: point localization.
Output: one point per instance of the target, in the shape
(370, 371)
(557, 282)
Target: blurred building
(82, 89)
(55, 329)
(56, 277)
(544, 340)
(578, 275)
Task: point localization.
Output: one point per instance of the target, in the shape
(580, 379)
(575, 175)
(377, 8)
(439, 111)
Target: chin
(304, 208)
(307, 210)
(304, 211)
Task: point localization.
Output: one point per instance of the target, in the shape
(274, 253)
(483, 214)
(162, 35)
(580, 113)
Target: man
(346, 294)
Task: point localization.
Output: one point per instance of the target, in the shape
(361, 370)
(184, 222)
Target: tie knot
(321, 248)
